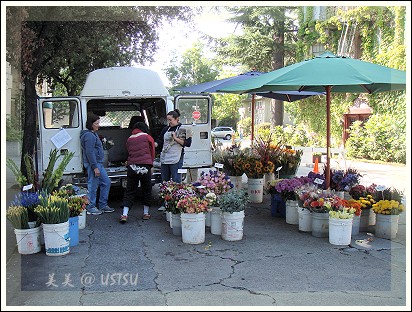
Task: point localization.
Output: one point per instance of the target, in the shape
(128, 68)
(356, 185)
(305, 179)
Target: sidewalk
(142, 263)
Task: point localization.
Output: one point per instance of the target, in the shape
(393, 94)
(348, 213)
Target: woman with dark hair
(93, 156)
(172, 141)
(141, 149)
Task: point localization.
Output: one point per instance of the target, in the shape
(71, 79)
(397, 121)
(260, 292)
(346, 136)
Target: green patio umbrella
(325, 73)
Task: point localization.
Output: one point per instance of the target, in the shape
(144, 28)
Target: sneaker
(146, 216)
(107, 209)
(123, 219)
(161, 208)
(93, 211)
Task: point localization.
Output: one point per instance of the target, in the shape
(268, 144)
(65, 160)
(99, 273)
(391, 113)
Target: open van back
(117, 95)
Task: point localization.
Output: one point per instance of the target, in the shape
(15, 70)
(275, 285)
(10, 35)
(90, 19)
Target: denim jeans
(170, 171)
(93, 183)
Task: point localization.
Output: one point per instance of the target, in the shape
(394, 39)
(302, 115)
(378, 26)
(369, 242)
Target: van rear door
(60, 123)
(195, 114)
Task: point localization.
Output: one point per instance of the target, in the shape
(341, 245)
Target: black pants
(133, 180)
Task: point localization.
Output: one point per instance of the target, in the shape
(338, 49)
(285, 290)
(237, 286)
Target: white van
(117, 94)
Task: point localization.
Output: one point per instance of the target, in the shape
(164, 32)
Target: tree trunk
(30, 113)
(278, 62)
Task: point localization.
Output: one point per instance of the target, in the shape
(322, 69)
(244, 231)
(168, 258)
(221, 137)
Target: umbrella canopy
(329, 73)
(213, 86)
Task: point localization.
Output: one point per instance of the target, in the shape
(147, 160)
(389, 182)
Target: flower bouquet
(18, 217)
(172, 192)
(253, 167)
(52, 209)
(214, 181)
(28, 200)
(286, 188)
(388, 207)
(344, 213)
(76, 198)
(212, 199)
(192, 204)
(230, 158)
(343, 180)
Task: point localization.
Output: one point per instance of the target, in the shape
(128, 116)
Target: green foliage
(53, 176)
(246, 125)
(191, 68)
(381, 138)
(263, 130)
(22, 179)
(13, 129)
(233, 201)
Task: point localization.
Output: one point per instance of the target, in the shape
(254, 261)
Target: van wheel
(228, 137)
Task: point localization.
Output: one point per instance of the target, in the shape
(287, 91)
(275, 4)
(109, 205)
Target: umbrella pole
(253, 120)
(327, 175)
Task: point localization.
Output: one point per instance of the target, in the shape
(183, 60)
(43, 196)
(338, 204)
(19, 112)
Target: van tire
(228, 137)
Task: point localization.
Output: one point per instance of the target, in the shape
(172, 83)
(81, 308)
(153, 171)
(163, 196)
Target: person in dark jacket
(93, 156)
(141, 149)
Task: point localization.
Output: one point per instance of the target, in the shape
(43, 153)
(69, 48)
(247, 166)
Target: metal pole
(327, 174)
(253, 119)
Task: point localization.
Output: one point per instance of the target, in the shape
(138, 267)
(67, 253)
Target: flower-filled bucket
(193, 228)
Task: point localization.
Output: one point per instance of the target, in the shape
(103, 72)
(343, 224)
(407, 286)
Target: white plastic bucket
(355, 225)
(367, 218)
(193, 228)
(255, 190)
(305, 220)
(82, 220)
(28, 240)
(32, 224)
(386, 226)
(320, 224)
(340, 231)
(207, 219)
(292, 216)
(57, 239)
(215, 221)
(232, 225)
(176, 224)
(237, 182)
(268, 177)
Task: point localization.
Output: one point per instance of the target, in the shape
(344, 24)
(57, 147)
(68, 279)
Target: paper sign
(201, 186)
(380, 188)
(61, 138)
(27, 187)
(217, 165)
(278, 169)
(318, 181)
(181, 170)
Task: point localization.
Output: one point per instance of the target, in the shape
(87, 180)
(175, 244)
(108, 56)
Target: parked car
(223, 132)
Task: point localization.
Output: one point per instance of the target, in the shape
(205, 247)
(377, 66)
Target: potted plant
(340, 226)
(28, 239)
(233, 205)
(53, 212)
(193, 209)
(387, 214)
